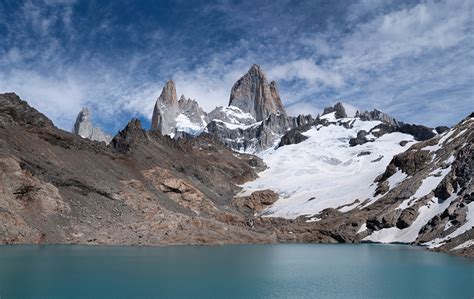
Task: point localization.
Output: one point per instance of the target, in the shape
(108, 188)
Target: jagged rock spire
(171, 115)
(83, 127)
(253, 94)
(166, 110)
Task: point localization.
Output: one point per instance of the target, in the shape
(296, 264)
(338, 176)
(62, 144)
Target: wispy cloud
(410, 59)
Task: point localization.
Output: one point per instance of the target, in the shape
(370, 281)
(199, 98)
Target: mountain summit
(171, 116)
(253, 94)
(83, 127)
(166, 110)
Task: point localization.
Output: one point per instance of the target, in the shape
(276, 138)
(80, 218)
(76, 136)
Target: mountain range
(245, 173)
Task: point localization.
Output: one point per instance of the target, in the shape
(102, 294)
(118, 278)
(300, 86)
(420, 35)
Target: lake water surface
(244, 271)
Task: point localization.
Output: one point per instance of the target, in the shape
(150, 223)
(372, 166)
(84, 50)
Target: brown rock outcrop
(255, 202)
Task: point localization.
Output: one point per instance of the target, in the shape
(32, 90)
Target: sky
(411, 59)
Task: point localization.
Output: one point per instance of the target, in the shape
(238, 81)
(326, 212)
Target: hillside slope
(56, 187)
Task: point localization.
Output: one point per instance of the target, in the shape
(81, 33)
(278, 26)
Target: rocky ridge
(143, 188)
(255, 118)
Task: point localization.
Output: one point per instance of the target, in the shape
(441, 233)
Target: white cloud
(390, 57)
(407, 32)
(363, 8)
(308, 70)
(319, 43)
(210, 84)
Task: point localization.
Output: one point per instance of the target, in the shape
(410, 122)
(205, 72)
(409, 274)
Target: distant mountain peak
(84, 128)
(253, 94)
(171, 115)
(166, 109)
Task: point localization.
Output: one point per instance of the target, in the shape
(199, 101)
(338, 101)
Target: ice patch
(325, 167)
(329, 116)
(466, 244)
(448, 225)
(461, 230)
(441, 141)
(363, 228)
(427, 185)
(232, 126)
(313, 219)
(396, 178)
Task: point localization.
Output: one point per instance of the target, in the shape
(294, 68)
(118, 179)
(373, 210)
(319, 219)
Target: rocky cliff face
(253, 94)
(430, 190)
(338, 109)
(255, 118)
(377, 115)
(172, 117)
(166, 110)
(84, 128)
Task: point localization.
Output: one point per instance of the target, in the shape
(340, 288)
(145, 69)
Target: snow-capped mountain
(346, 175)
(254, 120)
(390, 188)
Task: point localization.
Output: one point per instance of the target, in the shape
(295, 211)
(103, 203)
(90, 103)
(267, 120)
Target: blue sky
(412, 59)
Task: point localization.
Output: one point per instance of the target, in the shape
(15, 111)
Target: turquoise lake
(241, 271)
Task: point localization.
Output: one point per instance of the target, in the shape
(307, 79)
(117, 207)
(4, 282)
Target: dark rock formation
(301, 120)
(360, 139)
(338, 108)
(441, 129)
(294, 135)
(377, 115)
(382, 129)
(130, 137)
(406, 218)
(13, 109)
(419, 132)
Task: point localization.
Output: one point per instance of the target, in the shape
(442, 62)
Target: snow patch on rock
(409, 234)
